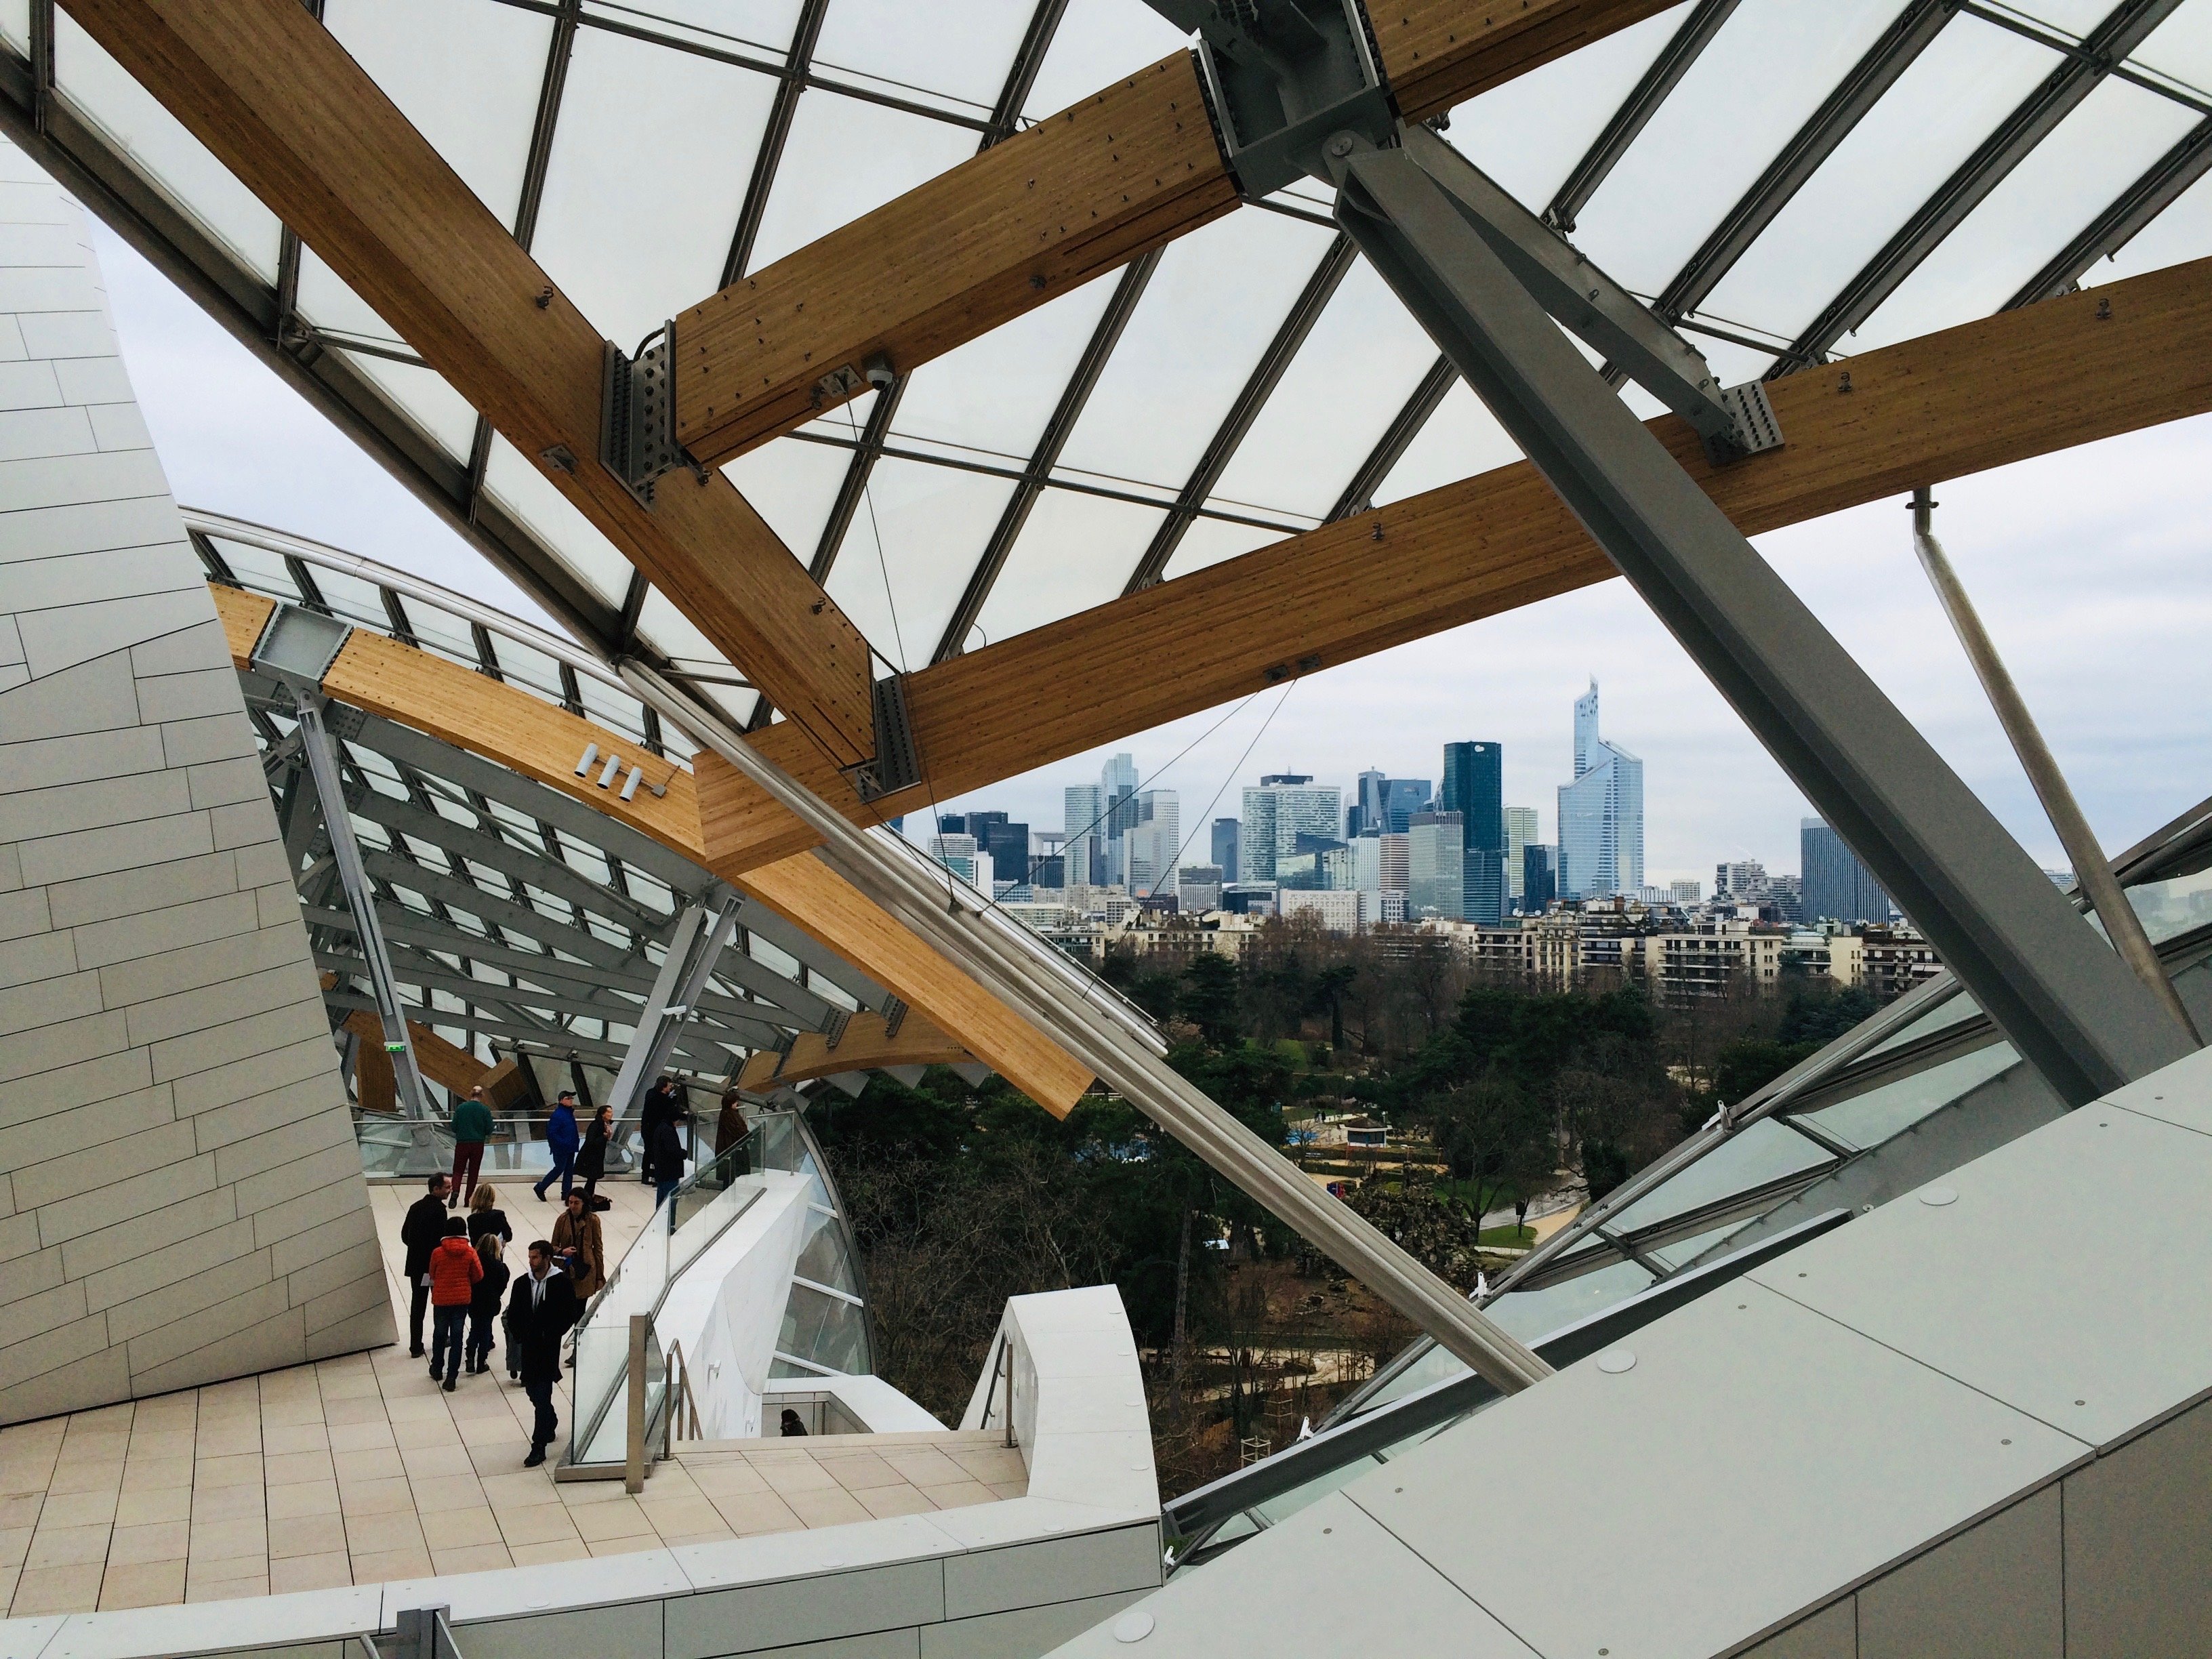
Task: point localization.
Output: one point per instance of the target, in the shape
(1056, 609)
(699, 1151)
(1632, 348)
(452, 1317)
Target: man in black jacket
(665, 1100)
(539, 1311)
(420, 1232)
(663, 1155)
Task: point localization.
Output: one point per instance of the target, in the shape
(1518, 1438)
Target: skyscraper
(1374, 806)
(1484, 880)
(1474, 787)
(1280, 809)
(1436, 867)
(1539, 883)
(1402, 799)
(1083, 851)
(1225, 847)
(1151, 844)
(1520, 831)
(1600, 814)
(1837, 886)
(1117, 786)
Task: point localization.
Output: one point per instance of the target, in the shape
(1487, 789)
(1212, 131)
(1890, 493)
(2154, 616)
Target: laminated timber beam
(2047, 377)
(867, 1046)
(502, 723)
(267, 90)
(1128, 169)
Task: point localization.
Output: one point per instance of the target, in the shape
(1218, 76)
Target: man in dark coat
(539, 1311)
(662, 1101)
(420, 1232)
(663, 1155)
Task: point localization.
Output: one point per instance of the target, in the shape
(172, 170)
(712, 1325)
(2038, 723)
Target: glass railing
(392, 1146)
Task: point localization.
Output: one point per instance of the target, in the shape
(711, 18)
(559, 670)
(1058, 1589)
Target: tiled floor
(362, 1469)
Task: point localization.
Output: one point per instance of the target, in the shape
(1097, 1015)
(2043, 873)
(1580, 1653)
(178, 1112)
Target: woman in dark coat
(592, 1157)
(731, 1130)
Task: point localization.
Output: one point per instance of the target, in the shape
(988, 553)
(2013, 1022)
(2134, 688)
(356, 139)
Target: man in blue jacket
(561, 1139)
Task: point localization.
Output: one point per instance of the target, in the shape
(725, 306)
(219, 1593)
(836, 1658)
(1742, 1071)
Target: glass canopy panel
(16, 24)
(2096, 153)
(994, 394)
(2178, 905)
(1097, 42)
(1969, 79)
(1353, 374)
(647, 176)
(1533, 1315)
(793, 483)
(1529, 133)
(160, 147)
(465, 72)
(1869, 1119)
(956, 56)
(919, 534)
(258, 568)
(1210, 541)
(1216, 299)
(1759, 81)
(1076, 551)
(845, 157)
(2181, 49)
(679, 638)
(1763, 1153)
(2183, 232)
(1462, 438)
(440, 413)
(525, 492)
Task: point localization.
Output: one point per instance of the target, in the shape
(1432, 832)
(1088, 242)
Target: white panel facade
(180, 1197)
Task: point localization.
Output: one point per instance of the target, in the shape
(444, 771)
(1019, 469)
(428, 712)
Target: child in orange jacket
(454, 1272)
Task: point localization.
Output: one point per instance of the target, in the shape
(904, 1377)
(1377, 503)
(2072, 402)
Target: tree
(1496, 1141)
(1211, 999)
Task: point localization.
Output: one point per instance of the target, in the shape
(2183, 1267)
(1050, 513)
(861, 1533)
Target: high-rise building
(1685, 893)
(1117, 786)
(1520, 831)
(1197, 889)
(1393, 856)
(1152, 844)
(1539, 882)
(1484, 886)
(960, 854)
(1742, 881)
(1836, 885)
(1373, 805)
(1280, 809)
(1225, 847)
(1436, 866)
(1008, 843)
(1083, 848)
(1363, 862)
(1600, 814)
(1474, 787)
(1402, 799)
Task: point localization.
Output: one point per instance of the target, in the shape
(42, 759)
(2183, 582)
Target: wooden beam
(506, 724)
(264, 86)
(2068, 371)
(444, 1064)
(865, 1047)
(1129, 168)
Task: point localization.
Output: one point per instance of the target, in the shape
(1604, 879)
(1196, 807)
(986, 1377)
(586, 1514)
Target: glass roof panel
(1530, 1315)
(2178, 905)
(793, 483)
(1969, 79)
(467, 75)
(1215, 301)
(1096, 41)
(257, 567)
(995, 393)
(648, 175)
(933, 522)
(678, 638)
(2182, 48)
(16, 23)
(524, 491)
(1462, 438)
(2183, 232)
(749, 28)
(1764, 1152)
(445, 416)
(1075, 551)
(1209, 541)
(1759, 81)
(159, 145)
(959, 55)
(1346, 384)
(845, 157)
(1869, 1119)
(2096, 153)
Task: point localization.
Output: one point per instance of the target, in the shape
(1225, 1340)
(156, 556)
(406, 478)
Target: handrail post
(634, 1443)
(1008, 1349)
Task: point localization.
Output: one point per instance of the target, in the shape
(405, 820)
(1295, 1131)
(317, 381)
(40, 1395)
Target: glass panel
(263, 571)
(1209, 541)
(761, 27)
(960, 54)
(845, 157)
(824, 1329)
(1533, 1315)
(466, 75)
(1076, 551)
(2181, 47)
(1954, 1010)
(932, 522)
(1684, 1252)
(524, 491)
(660, 622)
(160, 147)
(2179, 905)
(792, 483)
(1099, 40)
(994, 394)
(1869, 1119)
(823, 1258)
(16, 24)
(646, 180)
(1764, 1152)
(1462, 438)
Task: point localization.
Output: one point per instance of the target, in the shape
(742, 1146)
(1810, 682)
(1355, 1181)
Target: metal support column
(376, 959)
(2091, 869)
(695, 946)
(2066, 1001)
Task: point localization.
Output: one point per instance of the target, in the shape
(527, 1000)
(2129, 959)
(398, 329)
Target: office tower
(1436, 866)
(1685, 893)
(1835, 885)
(960, 854)
(1008, 843)
(1152, 841)
(1538, 882)
(1084, 837)
(1485, 886)
(1520, 831)
(1276, 813)
(1402, 799)
(1118, 787)
(1742, 882)
(1392, 856)
(1474, 787)
(1225, 847)
(1600, 814)
(1197, 889)
(1363, 862)
(1373, 805)
(1048, 870)
(952, 823)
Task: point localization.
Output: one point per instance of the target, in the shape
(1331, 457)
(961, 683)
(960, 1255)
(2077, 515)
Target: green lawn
(1511, 1238)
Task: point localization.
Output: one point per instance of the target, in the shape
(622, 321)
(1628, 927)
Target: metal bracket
(898, 763)
(637, 413)
(423, 1633)
(894, 1015)
(1282, 76)
(833, 1027)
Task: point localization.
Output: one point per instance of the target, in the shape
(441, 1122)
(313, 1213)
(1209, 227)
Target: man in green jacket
(472, 1128)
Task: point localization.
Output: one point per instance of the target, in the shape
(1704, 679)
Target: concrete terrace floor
(361, 1469)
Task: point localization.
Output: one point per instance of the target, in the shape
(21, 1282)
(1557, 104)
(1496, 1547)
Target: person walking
(581, 1248)
(472, 1128)
(486, 1217)
(425, 1224)
(561, 1140)
(730, 1132)
(539, 1311)
(662, 1101)
(663, 1155)
(484, 1304)
(454, 1271)
(591, 1158)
